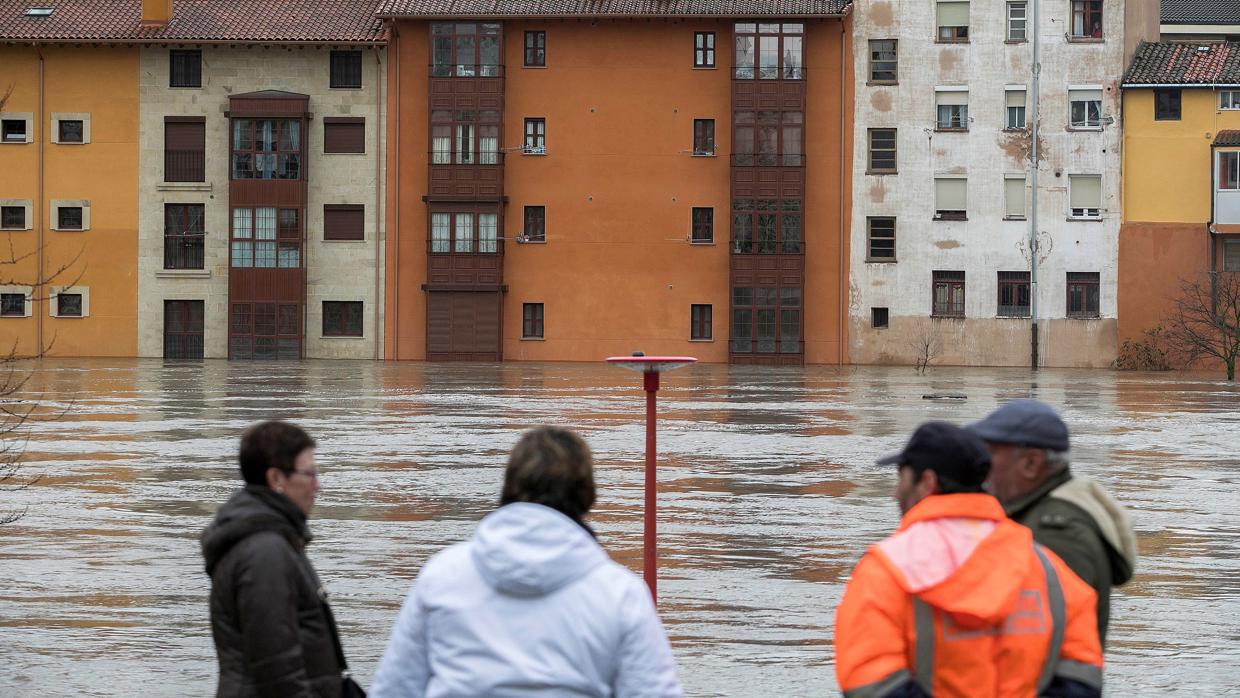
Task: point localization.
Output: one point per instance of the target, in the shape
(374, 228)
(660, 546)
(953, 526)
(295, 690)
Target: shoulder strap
(331, 627)
(1055, 596)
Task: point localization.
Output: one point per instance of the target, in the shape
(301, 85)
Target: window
(1014, 196)
(1229, 99)
(774, 49)
(12, 217)
(1016, 21)
(346, 69)
(950, 198)
(1231, 254)
(535, 137)
(953, 108)
(266, 149)
(1228, 170)
(768, 138)
(1087, 19)
(1085, 107)
(254, 238)
(184, 234)
(948, 294)
(344, 222)
(465, 232)
(882, 151)
(884, 61)
(766, 320)
(535, 229)
(1085, 196)
(878, 318)
(465, 49)
(68, 304)
(69, 218)
(69, 131)
(1013, 294)
(344, 135)
(700, 321)
(532, 320)
(183, 329)
(703, 225)
(12, 305)
(1166, 105)
(767, 226)
(880, 233)
(342, 318)
(536, 49)
(1014, 99)
(703, 136)
(184, 146)
(464, 137)
(184, 68)
(703, 49)
(13, 130)
(953, 20)
(1083, 294)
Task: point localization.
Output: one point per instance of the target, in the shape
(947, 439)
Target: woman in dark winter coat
(273, 630)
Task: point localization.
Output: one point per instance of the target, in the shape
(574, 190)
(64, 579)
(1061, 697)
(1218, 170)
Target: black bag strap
(331, 627)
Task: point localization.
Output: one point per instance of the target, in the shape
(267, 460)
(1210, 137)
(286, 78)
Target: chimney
(156, 13)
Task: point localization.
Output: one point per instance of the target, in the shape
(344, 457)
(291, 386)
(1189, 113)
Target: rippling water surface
(768, 496)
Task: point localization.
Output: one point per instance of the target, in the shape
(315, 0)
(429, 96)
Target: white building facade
(940, 239)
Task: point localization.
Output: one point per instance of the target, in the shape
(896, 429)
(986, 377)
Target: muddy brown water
(768, 497)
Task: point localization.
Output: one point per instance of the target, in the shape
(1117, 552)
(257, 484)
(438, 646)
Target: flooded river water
(768, 497)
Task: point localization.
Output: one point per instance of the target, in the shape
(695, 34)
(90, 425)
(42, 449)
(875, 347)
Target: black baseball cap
(946, 449)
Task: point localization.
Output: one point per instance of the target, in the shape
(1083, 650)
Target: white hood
(531, 550)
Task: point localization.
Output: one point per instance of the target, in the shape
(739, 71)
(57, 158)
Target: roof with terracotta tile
(240, 21)
(1201, 11)
(1184, 64)
(613, 8)
(1227, 138)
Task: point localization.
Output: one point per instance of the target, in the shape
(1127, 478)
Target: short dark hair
(946, 484)
(271, 444)
(552, 467)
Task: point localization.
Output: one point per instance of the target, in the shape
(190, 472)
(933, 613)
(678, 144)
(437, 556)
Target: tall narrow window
(882, 151)
(488, 233)
(1231, 254)
(464, 143)
(1083, 288)
(878, 318)
(952, 106)
(463, 236)
(952, 17)
(1016, 21)
(703, 225)
(1087, 19)
(184, 149)
(1013, 294)
(1085, 196)
(950, 198)
(346, 69)
(700, 321)
(184, 68)
(880, 239)
(1167, 105)
(441, 232)
(1014, 196)
(948, 294)
(535, 224)
(704, 49)
(1085, 107)
(184, 235)
(703, 136)
(884, 61)
(441, 137)
(1014, 98)
(535, 137)
(1228, 170)
(532, 320)
(535, 49)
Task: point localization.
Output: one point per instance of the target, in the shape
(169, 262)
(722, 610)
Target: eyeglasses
(312, 474)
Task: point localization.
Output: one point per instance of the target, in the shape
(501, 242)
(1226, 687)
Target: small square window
(69, 218)
(342, 318)
(703, 225)
(344, 222)
(700, 321)
(69, 305)
(346, 69)
(13, 130)
(69, 130)
(185, 68)
(880, 239)
(13, 217)
(703, 136)
(1085, 108)
(12, 305)
(1166, 105)
(882, 151)
(532, 320)
(704, 49)
(952, 110)
(884, 61)
(536, 49)
(878, 318)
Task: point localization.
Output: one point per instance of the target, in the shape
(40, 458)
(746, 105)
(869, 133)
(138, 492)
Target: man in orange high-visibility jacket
(960, 602)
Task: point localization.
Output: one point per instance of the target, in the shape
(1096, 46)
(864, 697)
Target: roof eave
(1199, 85)
(256, 42)
(836, 15)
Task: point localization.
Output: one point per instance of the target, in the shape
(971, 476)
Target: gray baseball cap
(1024, 423)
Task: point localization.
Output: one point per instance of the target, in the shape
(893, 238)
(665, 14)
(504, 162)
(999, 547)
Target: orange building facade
(574, 187)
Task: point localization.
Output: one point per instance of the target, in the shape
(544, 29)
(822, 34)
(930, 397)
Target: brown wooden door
(183, 329)
(463, 325)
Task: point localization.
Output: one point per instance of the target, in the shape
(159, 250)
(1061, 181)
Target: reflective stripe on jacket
(960, 602)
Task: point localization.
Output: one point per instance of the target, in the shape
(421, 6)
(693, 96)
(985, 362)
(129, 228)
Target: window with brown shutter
(344, 135)
(184, 143)
(344, 222)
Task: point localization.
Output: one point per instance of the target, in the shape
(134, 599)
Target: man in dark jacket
(272, 628)
(1071, 515)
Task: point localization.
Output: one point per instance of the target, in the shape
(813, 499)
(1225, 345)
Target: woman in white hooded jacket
(531, 605)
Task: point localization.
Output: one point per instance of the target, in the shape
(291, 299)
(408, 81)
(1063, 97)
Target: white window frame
(962, 110)
(1024, 114)
(58, 117)
(1218, 166)
(1023, 19)
(27, 204)
(1229, 100)
(1086, 126)
(57, 204)
(1085, 213)
(28, 292)
(54, 302)
(1024, 201)
(26, 116)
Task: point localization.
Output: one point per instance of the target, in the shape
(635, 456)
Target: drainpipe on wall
(393, 38)
(380, 91)
(842, 309)
(1033, 176)
(39, 290)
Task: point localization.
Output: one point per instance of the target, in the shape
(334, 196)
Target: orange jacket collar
(941, 506)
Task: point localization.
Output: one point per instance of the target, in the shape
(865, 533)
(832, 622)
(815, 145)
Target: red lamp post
(651, 367)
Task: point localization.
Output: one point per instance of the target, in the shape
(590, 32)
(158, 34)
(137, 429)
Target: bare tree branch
(1205, 319)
